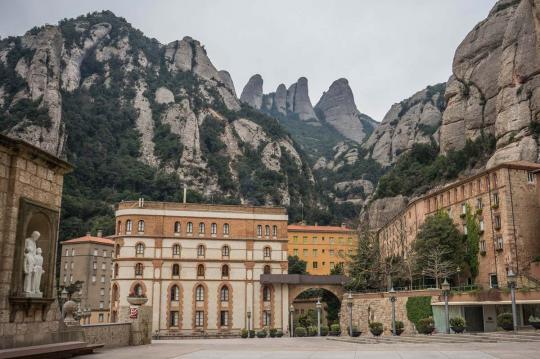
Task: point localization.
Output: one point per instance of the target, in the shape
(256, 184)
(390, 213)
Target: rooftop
(200, 207)
(90, 239)
(329, 229)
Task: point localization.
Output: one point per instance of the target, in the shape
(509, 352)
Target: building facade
(89, 259)
(322, 247)
(199, 265)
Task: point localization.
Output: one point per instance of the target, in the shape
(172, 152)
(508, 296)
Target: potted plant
(262, 333)
(324, 330)
(272, 332)
(535, 322)
(457, 324)
(355, 331)
(426, 326)
(279, 333)
(252, 333)
(137, 299)
(505, 321)
(335, 330)
(400, 327)
(376, 328)
(300, 332)
(244, 333)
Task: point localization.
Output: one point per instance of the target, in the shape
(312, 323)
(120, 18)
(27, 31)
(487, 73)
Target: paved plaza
(314, 348)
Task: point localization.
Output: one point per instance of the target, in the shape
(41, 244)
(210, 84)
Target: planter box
(458, 330)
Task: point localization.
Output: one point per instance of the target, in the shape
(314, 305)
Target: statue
(32, 261)
(38, 271)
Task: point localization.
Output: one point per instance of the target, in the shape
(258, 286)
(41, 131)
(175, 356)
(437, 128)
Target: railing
(463, 288)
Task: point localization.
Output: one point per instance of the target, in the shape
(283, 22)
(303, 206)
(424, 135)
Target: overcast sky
(387, 49)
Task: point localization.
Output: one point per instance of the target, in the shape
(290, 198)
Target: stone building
(199, 266)
(322, 247)
(89, 259)
(31, 183)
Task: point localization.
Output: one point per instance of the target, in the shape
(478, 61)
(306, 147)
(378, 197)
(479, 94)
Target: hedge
(418, 308)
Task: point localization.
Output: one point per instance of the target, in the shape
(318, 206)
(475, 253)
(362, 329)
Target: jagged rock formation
(339, 110)
(298, 101)
(413, 120)
(383, 210)
(495, 88)
(252, 93)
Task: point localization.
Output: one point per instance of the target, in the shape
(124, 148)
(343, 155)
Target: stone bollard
(140, 317)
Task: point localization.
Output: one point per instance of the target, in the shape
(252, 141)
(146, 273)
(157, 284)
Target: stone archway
(296, 290)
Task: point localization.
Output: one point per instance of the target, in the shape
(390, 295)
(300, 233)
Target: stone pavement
(315, 348)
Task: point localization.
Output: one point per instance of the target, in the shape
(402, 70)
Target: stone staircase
(495, 337)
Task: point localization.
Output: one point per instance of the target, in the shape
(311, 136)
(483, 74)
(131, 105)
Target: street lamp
(319, 305)
(458, 270)
(249, 321)
(350, 305)
(512, 279)
(393, 301)
(291, 326)
(446, 288)
(63, 299)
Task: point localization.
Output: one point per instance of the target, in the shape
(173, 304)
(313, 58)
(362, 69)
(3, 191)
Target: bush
(457, 322)
(244, 333)
(505, 321)
(279, 333)
(376, 328)
(533, 319)
(312, 331)
(426, 326)
(252, 334)
(300, 332)
(399, 324)
(262, 333)
(273, 332)
(335, 329)
(418, 308)
(324, 330)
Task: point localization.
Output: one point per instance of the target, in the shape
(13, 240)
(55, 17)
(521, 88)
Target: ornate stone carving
(33, 266)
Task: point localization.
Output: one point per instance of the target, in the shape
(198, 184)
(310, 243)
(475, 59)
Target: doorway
(474, 316)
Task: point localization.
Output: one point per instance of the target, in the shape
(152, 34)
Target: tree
(337, 269)
(296, 265)
(436, 266)
(364, 266)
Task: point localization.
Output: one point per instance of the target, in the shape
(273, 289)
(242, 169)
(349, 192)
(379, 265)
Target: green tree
(473, 240)
(364, 266)
(337, 269)
(296, 265)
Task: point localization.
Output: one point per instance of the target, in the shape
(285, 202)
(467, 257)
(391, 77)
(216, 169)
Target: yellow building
(322, 247)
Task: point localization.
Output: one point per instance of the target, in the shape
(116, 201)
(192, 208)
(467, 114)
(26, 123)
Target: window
(115, 270)
(213, 228)
(305, 252)
(72, 265)
(138, 289)
(482, 246)
(224, 270)
(119, 227)
(266, 293)
(67, 252)
(139, 249)
(494, 180)
(495, 199)
(201, 228)
(295, 239)
(465, 231)
(481, 223)
(199, 318)
(175, 293)
(174, 318)
(315, 253)
(499, 243)
(224, 318)
(200, 250)
(332, 253)
(95, 252)
(225, 251)
(176, 249)
(314, 240)
(199, 293)
(315, 265)
(93, 278)
(493, 281)
(267, 318)
(101, 305)
(226, 229)
(189, 227)
(332, 265)
(479, 204)
(65, 279)
(200, 270)
(267, 230)
(102, 279)
(267, 252)
(530, 177)
(259, 230)
(497, 222)
(104, 254)
(101, 318)
(129, 225)
(332, 240)
(463, 208)
(295, 251)
(139, 269)
(224, 294)
(177, 227)
(267, 269)
(274, 230)
(103, 266)
(349, 240)
(305, 240)
(140, 226)
(65, 266)
(176, 269)
(117, 250)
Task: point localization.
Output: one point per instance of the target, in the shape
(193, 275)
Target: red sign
(133, 312)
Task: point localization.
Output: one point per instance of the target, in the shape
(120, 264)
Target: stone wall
(110, 334)
(376, 307)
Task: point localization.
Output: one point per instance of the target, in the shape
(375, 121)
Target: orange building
(322, 247)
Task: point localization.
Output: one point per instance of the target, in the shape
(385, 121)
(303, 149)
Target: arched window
(139, 269)
(199, 293)
(115, 270)
(200, 270)
(200, 250)
(189, 227)
(114, 293)
(224, 270)
(117, 250)
(129, 224)
(267, 252)
(140, 226)
(267, 230)
(213, 228)
(201, 228)
(224, 294)
(119, 228)
(139, 249)
(267, 269)
(266, 293)
(274, 231)
(138, 290)
(177, 227)
(225, 251)
(175, 293)
(259, 230)
(176, 269)
(176, 249)
(226, 229)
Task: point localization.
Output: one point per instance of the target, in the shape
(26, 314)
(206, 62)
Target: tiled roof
(300, 227)
(90, 239)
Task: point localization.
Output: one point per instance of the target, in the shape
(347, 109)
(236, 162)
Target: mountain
(137, 117)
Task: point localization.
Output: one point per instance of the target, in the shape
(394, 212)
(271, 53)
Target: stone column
(140, 316)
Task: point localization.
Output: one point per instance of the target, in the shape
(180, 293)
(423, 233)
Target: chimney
(185, 194)
(100, 233)
(141, 202)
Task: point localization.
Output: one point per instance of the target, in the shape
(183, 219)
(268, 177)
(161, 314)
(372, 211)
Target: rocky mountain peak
(189, 55)
(252, 93)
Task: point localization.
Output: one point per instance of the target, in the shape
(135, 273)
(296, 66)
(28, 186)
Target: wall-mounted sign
(133, 312)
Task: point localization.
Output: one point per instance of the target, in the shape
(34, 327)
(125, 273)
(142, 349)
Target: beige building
(89, 260)
(199, 265)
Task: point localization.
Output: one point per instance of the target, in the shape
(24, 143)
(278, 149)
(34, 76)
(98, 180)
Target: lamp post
(458, 270)
(319, 305)
(249, 321)
(63, 299)
(446, 288)
(350, 305)
(512, 279)
(393, 301)
(291, 315)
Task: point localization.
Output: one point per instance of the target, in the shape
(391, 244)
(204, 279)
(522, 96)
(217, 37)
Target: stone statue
(38, 271)
(30, 253)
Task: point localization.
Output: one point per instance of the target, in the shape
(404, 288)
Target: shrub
(335, 329)
(457, 322)
(376, 328)
(324, 330)
(399, 324)
(252, 334)
(279, 333)
(418, 308)
(300, 332)
(505, 321)
(426, 326)
(244, 333)
(273, 332)
(533, 319)
(312, 331)
(262, 333)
